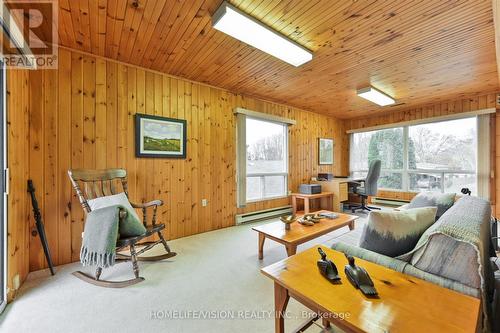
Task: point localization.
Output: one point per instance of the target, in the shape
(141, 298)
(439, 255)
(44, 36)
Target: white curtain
(241, 165)
(483, 156)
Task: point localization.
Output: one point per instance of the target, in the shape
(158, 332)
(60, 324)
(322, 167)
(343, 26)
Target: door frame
(4, 181)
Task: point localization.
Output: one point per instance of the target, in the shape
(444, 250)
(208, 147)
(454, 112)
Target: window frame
(406, 171)
(263, 175)
(241, 155)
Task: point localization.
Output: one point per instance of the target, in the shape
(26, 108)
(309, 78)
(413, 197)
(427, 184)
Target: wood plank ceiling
(417, 51)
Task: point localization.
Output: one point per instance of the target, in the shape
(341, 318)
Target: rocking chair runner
(98, 183)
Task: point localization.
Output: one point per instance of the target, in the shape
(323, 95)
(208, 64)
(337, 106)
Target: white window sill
(268, 199)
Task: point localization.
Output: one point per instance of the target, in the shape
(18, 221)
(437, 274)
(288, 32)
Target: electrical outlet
(204, 202)
(16, 282)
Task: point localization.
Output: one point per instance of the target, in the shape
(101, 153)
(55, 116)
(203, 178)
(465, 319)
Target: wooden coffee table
(404, 304)
(299, 233)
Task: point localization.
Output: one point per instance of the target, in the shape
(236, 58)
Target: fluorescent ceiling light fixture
(376, 96)
(247, 29)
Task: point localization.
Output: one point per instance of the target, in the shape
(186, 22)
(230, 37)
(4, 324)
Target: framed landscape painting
(325, 151)
(159, 136)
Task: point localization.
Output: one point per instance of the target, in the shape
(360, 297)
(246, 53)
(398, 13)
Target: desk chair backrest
(97, 183)
(372, 178)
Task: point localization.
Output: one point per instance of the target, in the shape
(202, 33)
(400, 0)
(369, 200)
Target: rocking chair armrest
(147, 204)
(143, 206)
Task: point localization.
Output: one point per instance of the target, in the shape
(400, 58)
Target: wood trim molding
(265, 116)
(424, 120)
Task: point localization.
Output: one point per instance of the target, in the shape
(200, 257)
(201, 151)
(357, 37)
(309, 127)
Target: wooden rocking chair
(98, 183)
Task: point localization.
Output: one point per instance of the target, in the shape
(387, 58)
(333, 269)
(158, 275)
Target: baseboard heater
(263, 214)
(389, 202)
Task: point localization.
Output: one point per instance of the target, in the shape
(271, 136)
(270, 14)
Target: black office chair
(366, 187)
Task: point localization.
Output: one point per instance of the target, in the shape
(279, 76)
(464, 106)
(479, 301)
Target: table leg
(306, 205)
(326, 323)
(291, 249)
(294, 204)
(281, 298)
(351, 225)
(262, 238)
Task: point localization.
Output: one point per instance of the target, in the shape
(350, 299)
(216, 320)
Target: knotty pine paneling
(18, 203)
(416, 51)
(473, 103)
(82, 115)
(437, 110)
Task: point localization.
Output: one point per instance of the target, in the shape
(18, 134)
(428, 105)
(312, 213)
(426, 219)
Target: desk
(340, 189)
(328, 196)
(405, 303)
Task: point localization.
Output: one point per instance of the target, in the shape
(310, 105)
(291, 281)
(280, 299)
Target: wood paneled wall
(82, 115)
(18, 204)
(473, 103)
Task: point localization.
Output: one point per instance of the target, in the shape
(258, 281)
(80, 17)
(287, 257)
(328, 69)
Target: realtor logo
(29, 38)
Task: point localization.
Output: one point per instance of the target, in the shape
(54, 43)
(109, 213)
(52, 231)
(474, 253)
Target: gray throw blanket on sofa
(99, 237)
(443, 249)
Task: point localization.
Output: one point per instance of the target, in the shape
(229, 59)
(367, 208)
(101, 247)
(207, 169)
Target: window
(438, 156)
(262, 165)
(442, 156)
(385, 145)
(266, 162)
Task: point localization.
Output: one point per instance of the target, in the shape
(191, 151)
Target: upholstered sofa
(455, 252)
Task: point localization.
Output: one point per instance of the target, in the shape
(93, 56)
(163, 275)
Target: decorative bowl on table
(288, 220)
(309, 219)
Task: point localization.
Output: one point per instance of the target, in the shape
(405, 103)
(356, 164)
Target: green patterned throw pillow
(443, 201)
(393, 233)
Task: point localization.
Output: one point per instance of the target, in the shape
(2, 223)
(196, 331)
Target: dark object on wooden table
(466, 191)
(325, 176)
(99, 183)
(39, 225)
(310, 188)
(359, 277)
(327, 268)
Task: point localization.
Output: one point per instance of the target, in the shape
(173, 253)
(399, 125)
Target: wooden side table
(324, 196)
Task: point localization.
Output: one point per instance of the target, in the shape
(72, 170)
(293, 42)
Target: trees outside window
(266, 159)
(436, 156)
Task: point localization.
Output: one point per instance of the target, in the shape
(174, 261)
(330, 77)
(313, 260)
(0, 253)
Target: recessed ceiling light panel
(247, 29)
(376, 96)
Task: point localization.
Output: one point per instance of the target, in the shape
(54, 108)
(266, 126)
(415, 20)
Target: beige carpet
(215, 275)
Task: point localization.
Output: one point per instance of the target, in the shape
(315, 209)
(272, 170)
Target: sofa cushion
(443, 201)
(393, 233)
(405, 267)
(380, 259)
